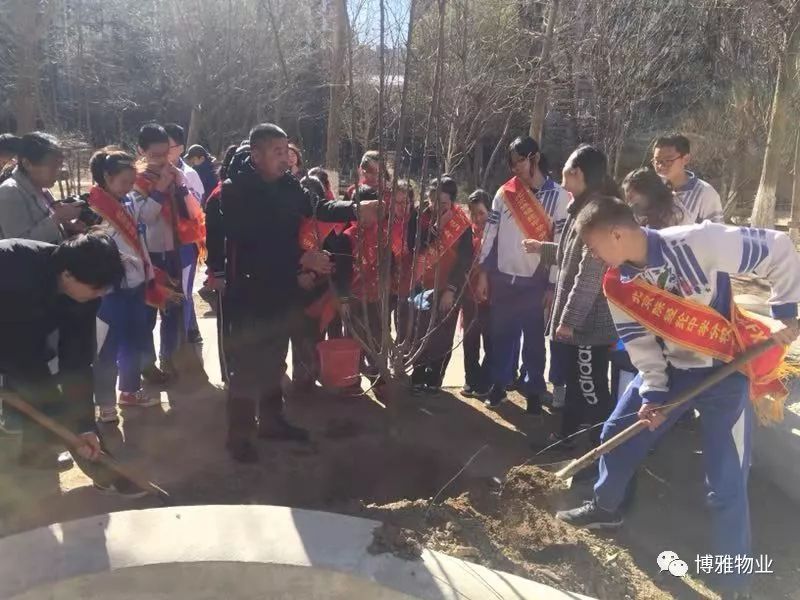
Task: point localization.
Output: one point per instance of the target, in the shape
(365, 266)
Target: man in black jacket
(49, 297)
(254, 253)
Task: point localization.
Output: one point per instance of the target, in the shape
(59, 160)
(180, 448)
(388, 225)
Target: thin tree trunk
(281, 98)
(495, 153)
(794, 221)
(195, 124)
(477, 163)
(541, 91)
(28, 23)
(763, 214)
(337, 85)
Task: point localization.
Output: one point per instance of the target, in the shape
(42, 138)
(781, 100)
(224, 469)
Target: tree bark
(29, 26)
(195, 125)
(340, 30)
(495, 153)
(794, 221)
(541, 91)
(763, 214)
(281, 97)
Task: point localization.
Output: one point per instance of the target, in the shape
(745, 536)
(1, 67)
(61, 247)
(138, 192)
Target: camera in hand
(87, 216)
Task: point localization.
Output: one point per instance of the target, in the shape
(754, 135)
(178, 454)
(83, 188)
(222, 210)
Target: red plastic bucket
(339, 362)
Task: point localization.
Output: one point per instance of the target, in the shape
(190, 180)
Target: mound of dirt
(511, 526)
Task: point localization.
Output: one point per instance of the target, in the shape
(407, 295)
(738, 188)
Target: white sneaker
(141, 399)
(108, 414)
(559, 395)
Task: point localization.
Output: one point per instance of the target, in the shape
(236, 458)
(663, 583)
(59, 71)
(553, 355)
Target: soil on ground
(447, 474)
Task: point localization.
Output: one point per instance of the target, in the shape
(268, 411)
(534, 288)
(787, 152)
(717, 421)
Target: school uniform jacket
(695, 262)
(502, 249)
(701, 200)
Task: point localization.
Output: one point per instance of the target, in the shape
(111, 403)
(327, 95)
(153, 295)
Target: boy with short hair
(49, 296)
(670, 296)
(189, 252)
(671, 156)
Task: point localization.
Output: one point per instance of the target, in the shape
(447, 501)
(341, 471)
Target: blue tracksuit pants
(172, 318)
(516, 308)
(122, 340)
(726, 416)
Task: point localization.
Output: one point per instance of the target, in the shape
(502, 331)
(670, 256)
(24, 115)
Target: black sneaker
(243, 451)
(121, 487)
(433, 389)
(590, 516)
(470, 392)
(418, 389)
(533, 405)
(279, 429)
(496, 397)
(193, 336)
(152, 374)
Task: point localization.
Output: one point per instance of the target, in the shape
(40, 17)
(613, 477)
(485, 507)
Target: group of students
(636, 277)
(149, 208)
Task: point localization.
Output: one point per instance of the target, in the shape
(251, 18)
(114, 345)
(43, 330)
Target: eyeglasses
(666, 162)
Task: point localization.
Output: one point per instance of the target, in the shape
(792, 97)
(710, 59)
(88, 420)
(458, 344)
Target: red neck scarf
(159, 289)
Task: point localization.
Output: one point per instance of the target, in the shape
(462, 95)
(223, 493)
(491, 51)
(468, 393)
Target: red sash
(314, 232)
(528, 212)
(459, 222)
(159, 289)
(702, 329)
(474, 274)
(191, 228)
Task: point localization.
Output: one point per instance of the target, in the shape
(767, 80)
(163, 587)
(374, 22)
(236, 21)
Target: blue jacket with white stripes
(695, 262)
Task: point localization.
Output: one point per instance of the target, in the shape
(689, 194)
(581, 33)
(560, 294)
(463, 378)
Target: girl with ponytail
(122, 320)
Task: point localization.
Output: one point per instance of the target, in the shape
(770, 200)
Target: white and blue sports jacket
(502, 249)
(695, 262)
(701, 200)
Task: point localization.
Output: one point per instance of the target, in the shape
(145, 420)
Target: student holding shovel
(49, 297)
(670, 296)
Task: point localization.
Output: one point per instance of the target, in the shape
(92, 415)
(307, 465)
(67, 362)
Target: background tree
(787, 23)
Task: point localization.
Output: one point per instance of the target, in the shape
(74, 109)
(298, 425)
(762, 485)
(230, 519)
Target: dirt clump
(391, 539)
(511, 526)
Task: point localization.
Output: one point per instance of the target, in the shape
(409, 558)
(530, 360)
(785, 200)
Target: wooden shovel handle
(73, 442)
(623, 436)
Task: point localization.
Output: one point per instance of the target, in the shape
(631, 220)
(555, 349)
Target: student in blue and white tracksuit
(188, 252)
(671, 156)
(692, 262)
(122, 326)
(515, 283)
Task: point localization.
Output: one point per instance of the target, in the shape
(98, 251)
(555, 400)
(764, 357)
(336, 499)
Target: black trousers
(39, 388)
(255, 345)
(475, 318)
(431, 364)
(587, 399)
